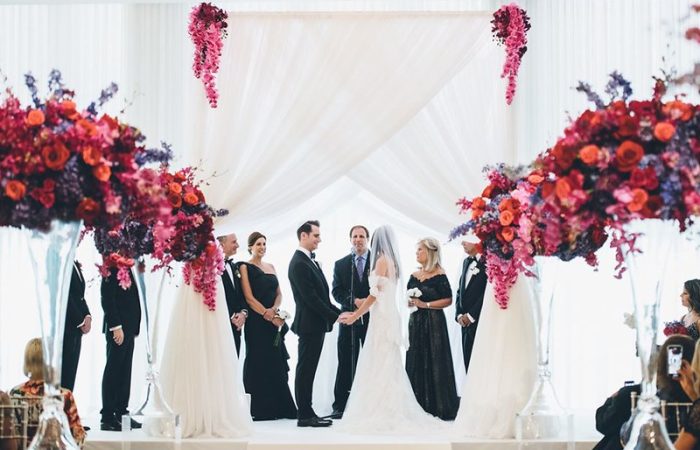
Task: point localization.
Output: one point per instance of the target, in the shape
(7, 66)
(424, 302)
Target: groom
(314, 317)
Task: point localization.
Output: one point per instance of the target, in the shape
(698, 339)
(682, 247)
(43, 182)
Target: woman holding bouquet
(265, 371)
(429, 359)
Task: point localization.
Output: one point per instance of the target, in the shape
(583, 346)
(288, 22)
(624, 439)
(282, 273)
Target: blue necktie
(360, 266)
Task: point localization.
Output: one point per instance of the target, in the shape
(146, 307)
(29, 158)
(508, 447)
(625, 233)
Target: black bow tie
(313, 255)
(229, 261)
(471, 259)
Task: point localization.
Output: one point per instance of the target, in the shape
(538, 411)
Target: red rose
(87, 210)
(180, 176)
(44, 196)
(627, 126)
(175, 200)
(35, 117)
(644, 178)
(652, 206)
(628, 155)
(55, 156)
(110, 121)
(563, 156)
(15, 190)
(664, 131)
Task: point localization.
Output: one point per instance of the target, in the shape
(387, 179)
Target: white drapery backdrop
(410, 172)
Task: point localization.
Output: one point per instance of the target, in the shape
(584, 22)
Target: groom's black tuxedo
(470, 299)
(314, 316)
(235, 301)
(347, 286)
(121, 308)
(76, 312)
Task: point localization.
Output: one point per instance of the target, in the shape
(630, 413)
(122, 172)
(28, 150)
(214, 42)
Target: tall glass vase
(52, 254)
(646, 273)
(543, 416)
(157, 416)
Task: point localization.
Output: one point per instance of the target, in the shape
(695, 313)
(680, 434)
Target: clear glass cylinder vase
(52, 253)
(645, 272)
(155, 414)
(543, 417)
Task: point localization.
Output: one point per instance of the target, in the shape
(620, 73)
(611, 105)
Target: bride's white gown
(382, 400)
(502, 369)
(200, 375)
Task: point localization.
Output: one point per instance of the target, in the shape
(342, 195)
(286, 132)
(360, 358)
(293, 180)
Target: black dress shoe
(336, 414)
(315, 422)
(135, 425)
(86, 428)
(110, 425)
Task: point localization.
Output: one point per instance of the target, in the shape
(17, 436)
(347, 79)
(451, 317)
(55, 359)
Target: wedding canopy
(351, 112)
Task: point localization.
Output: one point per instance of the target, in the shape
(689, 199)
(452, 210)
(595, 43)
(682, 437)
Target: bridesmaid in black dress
(429, 358)
(265, 370)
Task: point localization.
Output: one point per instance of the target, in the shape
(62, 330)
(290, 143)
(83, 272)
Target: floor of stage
(285, 435)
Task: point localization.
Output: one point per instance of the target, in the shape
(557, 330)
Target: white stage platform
(285, 435)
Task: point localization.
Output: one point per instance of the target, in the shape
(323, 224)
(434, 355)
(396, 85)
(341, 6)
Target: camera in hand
(675, 356)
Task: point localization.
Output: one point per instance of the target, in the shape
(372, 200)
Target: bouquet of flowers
(412, 293)
(284, 315)
(675, 327)
(623, 161)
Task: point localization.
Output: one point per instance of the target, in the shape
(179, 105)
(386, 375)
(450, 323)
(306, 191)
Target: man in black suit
(78, 322)
(470, 295)
(122, 321)
(350, 286)
(314, 317)
(237, 306)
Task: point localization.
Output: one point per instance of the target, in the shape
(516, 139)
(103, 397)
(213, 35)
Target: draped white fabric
(352, 118)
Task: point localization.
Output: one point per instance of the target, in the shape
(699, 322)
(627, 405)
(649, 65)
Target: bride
(502, 368)
(382, 399)
(200, 375)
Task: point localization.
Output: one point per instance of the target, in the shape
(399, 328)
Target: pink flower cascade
(510, 25)
(203, 273)
(207, 29)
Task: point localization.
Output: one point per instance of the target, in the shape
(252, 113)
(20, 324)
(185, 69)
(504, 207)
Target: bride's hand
(347, 318)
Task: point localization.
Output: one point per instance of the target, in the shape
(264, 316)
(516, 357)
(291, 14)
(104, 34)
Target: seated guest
(8, 440)
(34, 387)
(689, 438)
(616, 410)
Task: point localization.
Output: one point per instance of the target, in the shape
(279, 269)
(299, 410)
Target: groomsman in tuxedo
(78, 322)
(314, 317)
(470, 295)
(350, 286)
(122, 321)
(237, 306)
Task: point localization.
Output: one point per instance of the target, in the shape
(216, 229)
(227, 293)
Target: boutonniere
(237, 272)
(474, 269)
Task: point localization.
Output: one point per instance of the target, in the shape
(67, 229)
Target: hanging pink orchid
(207, 29)
(510, 27)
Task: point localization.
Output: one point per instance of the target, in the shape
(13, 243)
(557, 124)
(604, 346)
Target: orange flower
(639, 199)
(91, 155)
(535, 178)
(175, 188)
(175, 200)
(664, 131)
(55, 156)
(509, 204)
(589, 154)
(506, 217)
(562, 189)
(35, 117)
(15, 190)
(68, 108)
(102, 172)
(478, 203)
(508, 233)
(180, 176)
(191, 198)
(88, 209)
(677, 109)
(88, 126)
(628, 155)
